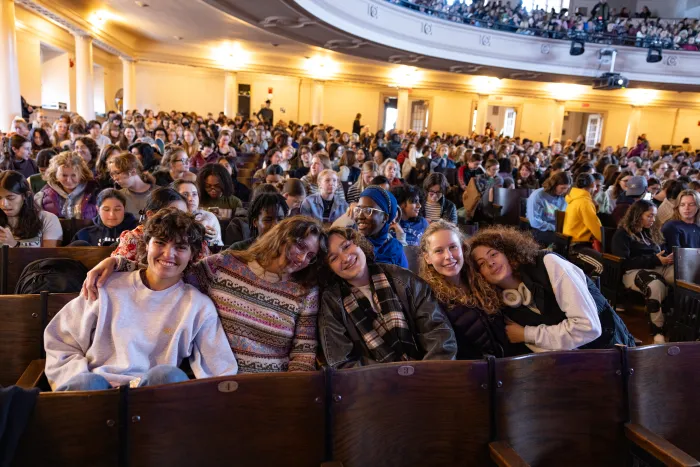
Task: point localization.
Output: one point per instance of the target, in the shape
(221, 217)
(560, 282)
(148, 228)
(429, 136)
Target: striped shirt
(433, 211)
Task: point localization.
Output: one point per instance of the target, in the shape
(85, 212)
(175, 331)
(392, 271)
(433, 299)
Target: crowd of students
(603, 23)
(319, 275)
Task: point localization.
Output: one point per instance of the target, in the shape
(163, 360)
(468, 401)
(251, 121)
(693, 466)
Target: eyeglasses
(299, 248)
(356, 211)
(436, 194)
(184, 161)
(115, 174)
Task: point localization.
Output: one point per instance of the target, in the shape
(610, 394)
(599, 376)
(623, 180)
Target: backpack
(56, 275)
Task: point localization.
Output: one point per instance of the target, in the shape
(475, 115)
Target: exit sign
(585, 105)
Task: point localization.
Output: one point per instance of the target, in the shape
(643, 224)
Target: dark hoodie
(101, 235)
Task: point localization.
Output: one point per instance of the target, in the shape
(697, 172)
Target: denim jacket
(313, 207)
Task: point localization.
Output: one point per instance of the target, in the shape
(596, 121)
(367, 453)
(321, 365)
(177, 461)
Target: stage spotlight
(654, 55)
(577, 47)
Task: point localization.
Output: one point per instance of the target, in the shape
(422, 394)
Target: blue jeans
(160, 374)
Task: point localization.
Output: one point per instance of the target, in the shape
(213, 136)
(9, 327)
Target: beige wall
(55, 81)
(29, 49)
(342, 101)
(166, 87)
(285, 94)
(451, 112)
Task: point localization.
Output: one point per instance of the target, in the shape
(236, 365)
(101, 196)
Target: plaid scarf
(386, 334)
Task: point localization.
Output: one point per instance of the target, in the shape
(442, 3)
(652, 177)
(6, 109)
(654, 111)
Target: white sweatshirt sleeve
(211, 351)
(67, 339)
(582, 324)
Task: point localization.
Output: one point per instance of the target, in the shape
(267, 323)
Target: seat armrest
(31, 376)
(658, 447)
(503, 455)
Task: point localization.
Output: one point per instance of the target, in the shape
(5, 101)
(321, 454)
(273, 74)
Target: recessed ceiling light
(141, 4)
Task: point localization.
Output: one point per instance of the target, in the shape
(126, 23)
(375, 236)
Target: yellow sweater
(581, 222)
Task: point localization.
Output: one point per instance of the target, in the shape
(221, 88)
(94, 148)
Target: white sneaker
(659, 339)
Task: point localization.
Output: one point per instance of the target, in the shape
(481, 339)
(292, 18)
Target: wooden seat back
(23, 319)
(423, 413)
(563, 408)
(607, 235)
(14, 260)
(20, 335)
(559, 217)
(243, 420)
(79, 429)
(684, 325)
(509, 200)
(468, 229)
(71, 227)
(686, 264)
(663, 385)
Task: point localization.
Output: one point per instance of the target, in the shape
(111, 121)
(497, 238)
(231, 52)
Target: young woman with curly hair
(377, 313)
(469, 301)
(548, 302)
(647, 269)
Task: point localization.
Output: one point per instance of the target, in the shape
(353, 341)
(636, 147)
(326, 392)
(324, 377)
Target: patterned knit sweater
(270, 325)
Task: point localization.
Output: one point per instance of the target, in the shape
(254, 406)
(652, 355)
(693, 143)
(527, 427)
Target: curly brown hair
(476, 292)
(327, 276)
(632, 222)
(518, 247)
(172, 224)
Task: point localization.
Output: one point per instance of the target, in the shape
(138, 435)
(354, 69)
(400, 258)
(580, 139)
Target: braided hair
(262, 202)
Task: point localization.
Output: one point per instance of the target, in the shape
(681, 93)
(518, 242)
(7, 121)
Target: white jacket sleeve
(582, 324)
(67, 339)
(211, 351)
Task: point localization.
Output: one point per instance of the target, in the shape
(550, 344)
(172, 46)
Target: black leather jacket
(342, 344)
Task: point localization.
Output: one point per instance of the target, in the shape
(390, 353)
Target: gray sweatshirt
(130, 329)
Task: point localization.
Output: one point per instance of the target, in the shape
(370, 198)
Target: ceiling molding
(76, 25)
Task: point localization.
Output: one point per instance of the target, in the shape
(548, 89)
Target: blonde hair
(326, 173)
(170, 152)
(676, 210)
(475, 293)
(367, 166)
(70, 159)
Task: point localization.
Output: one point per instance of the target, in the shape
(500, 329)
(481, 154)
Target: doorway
(502, 119)
(391, 113)
(582, 126)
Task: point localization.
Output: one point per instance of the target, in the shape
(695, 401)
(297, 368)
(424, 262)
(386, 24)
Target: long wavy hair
(275, 243)
(632, 223)
(519, 247)
(617, 189)
(68, 159)
(475, 293)
(327, 276)
(29, 225)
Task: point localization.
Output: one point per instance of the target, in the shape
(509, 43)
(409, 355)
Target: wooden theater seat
(243, 420)
(560, 409)
(79, 429)
(22, 322)
(413, 414)
(664, 384)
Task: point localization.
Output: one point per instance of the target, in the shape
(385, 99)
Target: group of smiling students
(267, 308)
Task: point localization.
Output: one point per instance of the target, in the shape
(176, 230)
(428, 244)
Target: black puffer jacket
(479, 334)
(635, 253)
(101, 235)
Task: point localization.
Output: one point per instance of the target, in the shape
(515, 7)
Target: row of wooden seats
(577, 408)
(14, 260)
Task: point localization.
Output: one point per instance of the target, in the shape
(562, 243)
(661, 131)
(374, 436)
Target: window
(419, 116)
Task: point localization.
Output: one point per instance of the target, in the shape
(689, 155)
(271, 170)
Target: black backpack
(56, 275)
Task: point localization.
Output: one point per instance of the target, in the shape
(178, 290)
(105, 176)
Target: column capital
(81, 36)
(483, 96)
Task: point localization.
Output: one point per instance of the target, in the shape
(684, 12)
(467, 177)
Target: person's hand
(97, 277)
(665, 260)
(396, 227)
(515, 332)
(209, 232)
(6, 237)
